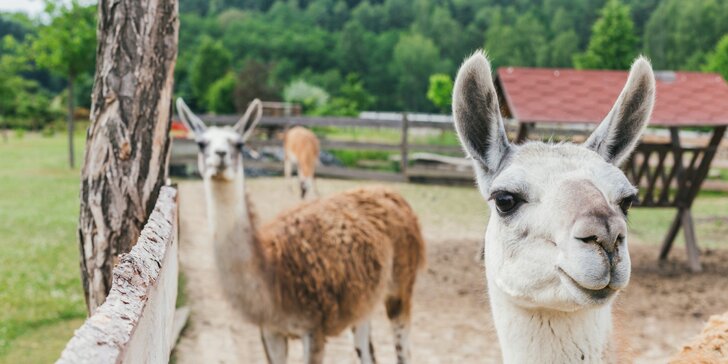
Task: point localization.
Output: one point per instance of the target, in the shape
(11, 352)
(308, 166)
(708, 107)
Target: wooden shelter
(669, 173)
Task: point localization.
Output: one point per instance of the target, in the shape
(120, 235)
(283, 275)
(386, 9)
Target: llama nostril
(220, 153)
(589, 239)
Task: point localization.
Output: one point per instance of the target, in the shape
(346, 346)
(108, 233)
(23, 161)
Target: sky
(27, 6)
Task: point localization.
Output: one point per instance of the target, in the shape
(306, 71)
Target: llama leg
(398, 311)
(275, 345)
(363, 342)
(287, 167)
(304, 186)
(315, 187)
(313, 348)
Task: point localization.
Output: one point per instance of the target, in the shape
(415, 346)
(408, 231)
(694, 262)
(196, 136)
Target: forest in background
(339, 57)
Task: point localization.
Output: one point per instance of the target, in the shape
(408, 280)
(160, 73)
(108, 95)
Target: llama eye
(506, 202)
(626, 203)
(201, 144)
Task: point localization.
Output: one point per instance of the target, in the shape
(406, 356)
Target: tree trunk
(127, 144)
(71, 161)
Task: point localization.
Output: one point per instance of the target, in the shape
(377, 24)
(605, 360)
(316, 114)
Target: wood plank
(134, 324)
(671, 234)
(691, 244)
(403, 163)
(181, 315)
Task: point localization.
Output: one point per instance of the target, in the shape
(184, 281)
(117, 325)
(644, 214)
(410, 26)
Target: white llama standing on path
(317, 268)
(556, 243)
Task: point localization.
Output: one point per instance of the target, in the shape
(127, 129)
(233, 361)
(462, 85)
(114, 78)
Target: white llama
(556, 244)
(317, 268)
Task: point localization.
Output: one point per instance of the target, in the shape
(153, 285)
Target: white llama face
(220, 154)
(557, 235)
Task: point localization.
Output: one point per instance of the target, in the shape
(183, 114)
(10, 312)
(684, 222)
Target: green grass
(357, 158)
(710, 216)
(41, 298)
(379, 160)
(386, 135)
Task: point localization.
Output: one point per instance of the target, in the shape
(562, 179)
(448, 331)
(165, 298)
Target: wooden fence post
(128, 140)
(404, 145)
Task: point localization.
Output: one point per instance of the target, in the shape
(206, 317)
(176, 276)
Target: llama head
(220, 155)
(557, 235)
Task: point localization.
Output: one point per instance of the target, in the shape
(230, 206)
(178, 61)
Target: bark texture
(128, 142)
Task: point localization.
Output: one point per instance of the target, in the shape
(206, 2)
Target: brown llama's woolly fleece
(304, 145)
(711, 346)
(328, 262)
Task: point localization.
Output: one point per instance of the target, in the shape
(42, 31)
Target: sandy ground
(662, 308)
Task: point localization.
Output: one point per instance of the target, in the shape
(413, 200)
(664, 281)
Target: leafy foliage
(679, 34)
(717, 61)
(440, 91)
(613, 44)
(67, 46)
(310, 96)
(212, 62)
(219, 98)
(373, 54)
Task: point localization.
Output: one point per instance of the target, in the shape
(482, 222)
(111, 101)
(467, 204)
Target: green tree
(352, 99)
(415, 59)
(613, 43)
(680, 33)
(254, 81)
(521, 44)
(11, 64)
(212, 61)
(440, 91)
(717, 60)
(67, 47)
(562, 49)
(219, 97)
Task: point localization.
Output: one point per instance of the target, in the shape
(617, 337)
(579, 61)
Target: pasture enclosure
(137, 323)
(670, 169)
(663, 307)
(184, 150)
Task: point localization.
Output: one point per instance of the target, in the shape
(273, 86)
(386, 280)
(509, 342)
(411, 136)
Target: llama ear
(246, 124)
(189, 118)
(616, 137)
(477, 116)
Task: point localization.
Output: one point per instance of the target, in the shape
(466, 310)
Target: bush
(310, 96)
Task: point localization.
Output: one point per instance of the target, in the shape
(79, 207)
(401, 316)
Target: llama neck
(551, 336)
(228, 211)
(237, 250)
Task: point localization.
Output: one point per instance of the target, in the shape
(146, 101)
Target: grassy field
(41, 299)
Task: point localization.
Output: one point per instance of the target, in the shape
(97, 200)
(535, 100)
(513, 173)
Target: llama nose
(606, 230)
(221, 153)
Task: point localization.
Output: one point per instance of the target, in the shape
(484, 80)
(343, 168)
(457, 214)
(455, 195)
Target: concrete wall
(135, 323)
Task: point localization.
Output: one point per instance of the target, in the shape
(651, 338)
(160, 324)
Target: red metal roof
(565, 95)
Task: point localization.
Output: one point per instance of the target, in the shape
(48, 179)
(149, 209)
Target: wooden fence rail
(137, 322)
(184, 151)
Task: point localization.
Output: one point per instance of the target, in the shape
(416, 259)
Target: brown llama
(301, 147)
(317, 268)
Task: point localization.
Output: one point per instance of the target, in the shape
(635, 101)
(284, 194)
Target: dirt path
(451, 324)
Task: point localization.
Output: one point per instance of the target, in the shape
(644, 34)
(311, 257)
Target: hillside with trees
(338, 57)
